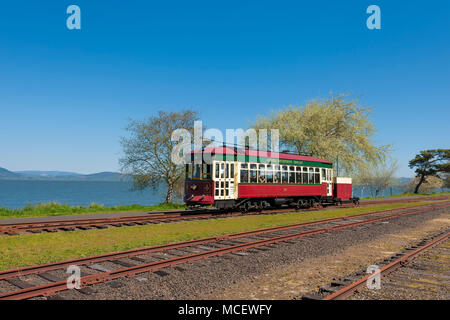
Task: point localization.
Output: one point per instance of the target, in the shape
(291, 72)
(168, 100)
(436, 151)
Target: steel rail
(357, 285)
(54, 225)
(133, 252)
(51, 288)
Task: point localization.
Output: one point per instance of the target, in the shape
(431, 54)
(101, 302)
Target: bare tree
(376, 177)
(148, 150)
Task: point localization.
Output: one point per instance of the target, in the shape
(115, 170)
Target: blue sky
(65, 95)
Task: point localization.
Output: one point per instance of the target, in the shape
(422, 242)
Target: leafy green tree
(430, 163)
(148, 151)
(335, 128)
(430, 184)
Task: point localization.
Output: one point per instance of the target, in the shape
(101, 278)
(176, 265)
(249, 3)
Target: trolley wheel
(259, 206)
(244, 208)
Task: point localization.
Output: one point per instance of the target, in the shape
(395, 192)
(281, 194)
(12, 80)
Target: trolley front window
(188, 171)
(199, 171)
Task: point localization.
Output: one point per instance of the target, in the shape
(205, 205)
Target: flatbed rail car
(250, 179)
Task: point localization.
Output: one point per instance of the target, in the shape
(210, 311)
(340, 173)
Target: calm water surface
(17, 194)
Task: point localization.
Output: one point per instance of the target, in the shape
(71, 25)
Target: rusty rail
(357, 285)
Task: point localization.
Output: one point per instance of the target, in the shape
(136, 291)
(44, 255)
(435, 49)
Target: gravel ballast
(279, 271)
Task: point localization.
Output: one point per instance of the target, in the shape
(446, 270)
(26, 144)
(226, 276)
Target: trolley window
(253, 173)
(305, 175)
(262, 173)
(222, 170)
(244, 173)
(206, 172)
(188, 171)
(324, 175)
(217, 171)
(276, 174)
(284, 174)
(291, 174)
(197, 171)
(269, 174)
(311, 175)
(317, 175)
(298, 174)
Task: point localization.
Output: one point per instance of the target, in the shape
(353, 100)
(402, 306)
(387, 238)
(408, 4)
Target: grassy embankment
(410, 194)
(56, 209)
(31, 249)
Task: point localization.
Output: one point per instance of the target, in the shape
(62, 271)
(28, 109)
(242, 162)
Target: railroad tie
(49, 277)
(161, 273)
(123, 263)
(115, 284)
(98, 267)
(139, 259)
(19, 283)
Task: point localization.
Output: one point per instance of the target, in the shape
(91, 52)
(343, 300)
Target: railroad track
(100, 223)
(27, 282)
(415, 199)
(398, 261)
(165, 217)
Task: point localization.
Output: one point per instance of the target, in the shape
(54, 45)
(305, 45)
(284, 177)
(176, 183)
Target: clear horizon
(65, 95)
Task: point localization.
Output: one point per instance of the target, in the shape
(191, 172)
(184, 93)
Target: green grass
(410, 194)
(56, 209)
(31, 249)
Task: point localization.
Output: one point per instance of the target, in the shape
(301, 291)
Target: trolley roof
(249, 155)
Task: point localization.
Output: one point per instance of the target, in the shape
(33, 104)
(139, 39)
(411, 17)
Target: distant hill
(59, 176)
(49, 173)
(6, 174)
(403, 181)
